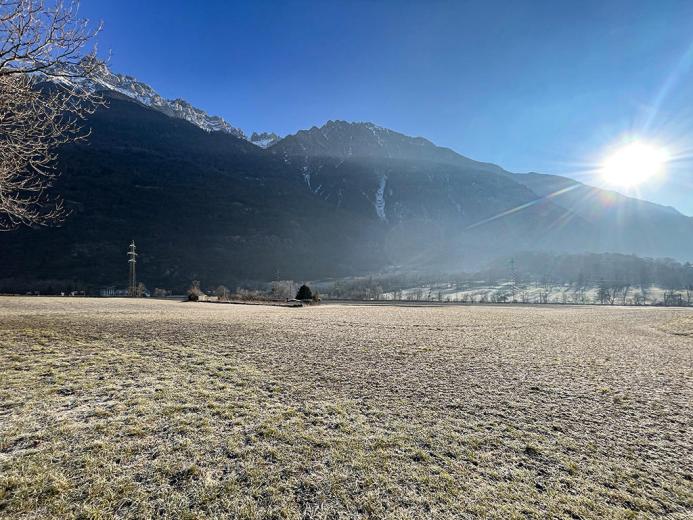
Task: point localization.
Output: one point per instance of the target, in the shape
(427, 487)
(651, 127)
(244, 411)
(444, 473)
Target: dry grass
(138, 409)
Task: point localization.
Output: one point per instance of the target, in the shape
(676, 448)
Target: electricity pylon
(132, 280)
(513, 278)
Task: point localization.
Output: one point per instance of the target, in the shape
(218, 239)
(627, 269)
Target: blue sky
(533, 86)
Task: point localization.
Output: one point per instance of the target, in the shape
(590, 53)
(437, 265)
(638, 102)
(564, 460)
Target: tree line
(605, 269)
(534, 277)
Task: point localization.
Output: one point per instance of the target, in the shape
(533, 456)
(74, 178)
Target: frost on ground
(136, 409)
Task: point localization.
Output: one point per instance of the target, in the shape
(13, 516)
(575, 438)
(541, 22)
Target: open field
(137, 409)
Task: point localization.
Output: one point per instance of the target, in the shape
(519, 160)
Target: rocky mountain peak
(264, 139)
(343, 139)
(102, 78)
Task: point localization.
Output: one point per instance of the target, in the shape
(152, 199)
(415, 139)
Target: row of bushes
(223, 294)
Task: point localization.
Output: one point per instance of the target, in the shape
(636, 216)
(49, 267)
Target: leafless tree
(545, 291)
(194, 293)
(222, 293)
(579, 293)
(283, 289)
(673, 298)
(564, 296)
(39, 40)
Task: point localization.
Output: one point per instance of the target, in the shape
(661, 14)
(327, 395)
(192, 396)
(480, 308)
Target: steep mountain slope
(360, 165)
(199, 205)
(342, 139)
(443, 203)
(400, 178)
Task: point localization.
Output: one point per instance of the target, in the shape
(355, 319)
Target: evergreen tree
(304, 293)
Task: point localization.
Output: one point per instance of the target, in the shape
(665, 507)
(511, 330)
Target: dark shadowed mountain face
(199, 205)
(397, 178)
(344, 199)
(434, 212)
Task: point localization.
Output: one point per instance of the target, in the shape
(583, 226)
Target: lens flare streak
(522, 207)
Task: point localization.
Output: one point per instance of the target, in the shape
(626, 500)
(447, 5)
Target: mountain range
(204, 201)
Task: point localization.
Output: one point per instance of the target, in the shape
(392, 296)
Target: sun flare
(633, 164)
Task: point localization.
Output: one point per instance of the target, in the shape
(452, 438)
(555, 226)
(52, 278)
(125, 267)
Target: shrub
(194, 292)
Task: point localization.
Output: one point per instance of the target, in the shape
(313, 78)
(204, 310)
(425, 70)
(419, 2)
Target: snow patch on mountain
(306, 177)
(380, 198)
(264, 139)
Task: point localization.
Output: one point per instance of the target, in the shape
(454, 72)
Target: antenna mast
(132, 280)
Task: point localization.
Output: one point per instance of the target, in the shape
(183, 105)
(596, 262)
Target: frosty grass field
(141, 408)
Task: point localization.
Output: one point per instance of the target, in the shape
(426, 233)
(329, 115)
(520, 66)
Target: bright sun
(633, 164)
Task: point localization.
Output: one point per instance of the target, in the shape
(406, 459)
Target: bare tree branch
(39, 39)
